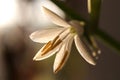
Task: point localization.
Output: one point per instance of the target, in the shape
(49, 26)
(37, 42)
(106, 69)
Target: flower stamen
(72, 30)
(62, 62)
(51, 45)
(47, 48)
(57, 43)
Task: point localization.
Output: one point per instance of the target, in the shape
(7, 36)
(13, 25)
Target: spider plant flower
(59, 40)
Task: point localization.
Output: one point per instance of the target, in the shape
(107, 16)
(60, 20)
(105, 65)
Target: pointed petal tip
(37, 59)
(55, 71)
(34, 59)
(82, 50)
(55, 18)
(45, 9)
(31, 36)
(93, 63)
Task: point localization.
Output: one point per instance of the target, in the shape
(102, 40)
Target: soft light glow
(40, 17)
(89, 6)
(8, 12)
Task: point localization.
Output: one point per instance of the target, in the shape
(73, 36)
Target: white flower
(59, 40)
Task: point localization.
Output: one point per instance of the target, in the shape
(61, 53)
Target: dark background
(108, 64)
(18, 50)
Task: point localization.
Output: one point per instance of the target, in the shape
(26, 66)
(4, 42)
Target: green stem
(68, 11)
(111, 42)
(95, 13)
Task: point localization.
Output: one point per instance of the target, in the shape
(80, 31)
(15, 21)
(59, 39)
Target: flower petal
(44, 36)
(62, 55)
(82, 50)
(56, 19)
(41, 55)
(65, 33)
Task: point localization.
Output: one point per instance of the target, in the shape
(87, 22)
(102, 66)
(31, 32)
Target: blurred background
(19, 18)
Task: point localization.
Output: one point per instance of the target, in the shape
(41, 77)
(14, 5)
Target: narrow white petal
(56, 19)
(44, 36)
(82, 50)
(65, 33)
(70, 41)
(60, 58)
(62, 55)
(39, 55)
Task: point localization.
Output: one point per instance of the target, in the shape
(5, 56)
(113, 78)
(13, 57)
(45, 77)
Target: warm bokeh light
(21, 12)
(8, 12)
(18, 18)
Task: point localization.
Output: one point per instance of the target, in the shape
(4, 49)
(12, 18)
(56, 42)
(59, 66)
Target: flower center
(76, 27)
(72, 30)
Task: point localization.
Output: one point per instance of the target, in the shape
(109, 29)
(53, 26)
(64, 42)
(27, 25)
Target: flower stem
(95, 13)
(93, 23)
(108, 40)
(68, 10)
